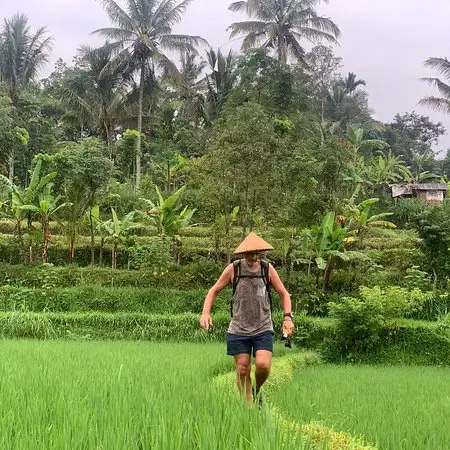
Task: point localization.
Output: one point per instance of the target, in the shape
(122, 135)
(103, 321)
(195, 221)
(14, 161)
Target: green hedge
(58, 251)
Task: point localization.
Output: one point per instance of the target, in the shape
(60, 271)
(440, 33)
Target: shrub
(177, 277)
(434, 306)
(407, 210)
(155, 257)
(362, 322)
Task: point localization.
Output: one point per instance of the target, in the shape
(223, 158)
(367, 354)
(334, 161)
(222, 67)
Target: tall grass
(92, 395)
(393, 407)
(85, 298)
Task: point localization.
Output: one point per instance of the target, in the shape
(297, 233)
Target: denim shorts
(237, 344)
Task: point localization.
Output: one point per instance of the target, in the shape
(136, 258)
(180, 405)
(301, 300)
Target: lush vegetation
(393, 407)
(129, 175)
(273, 137)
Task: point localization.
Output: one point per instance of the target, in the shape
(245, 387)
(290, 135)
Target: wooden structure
(430, 192)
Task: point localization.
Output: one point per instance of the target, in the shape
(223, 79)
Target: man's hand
(206, 321)
(288, 326)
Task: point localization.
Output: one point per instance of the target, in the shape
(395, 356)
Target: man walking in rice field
(251, 330)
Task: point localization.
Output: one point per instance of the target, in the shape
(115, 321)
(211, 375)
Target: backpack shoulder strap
(265, 273)
(266, 278)
(236, 274)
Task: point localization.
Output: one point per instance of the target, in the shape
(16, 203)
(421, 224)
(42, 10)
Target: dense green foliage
(157, 168)
(272, 137)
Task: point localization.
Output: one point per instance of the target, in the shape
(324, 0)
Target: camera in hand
(287, 340)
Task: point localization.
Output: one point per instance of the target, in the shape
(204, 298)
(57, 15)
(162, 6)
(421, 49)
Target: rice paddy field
(125, 395)
(137, 395)
(394, 408)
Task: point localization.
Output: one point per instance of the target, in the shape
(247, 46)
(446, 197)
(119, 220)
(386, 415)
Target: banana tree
(358, 172)
(22, 203)
(96, 225)
(359, 220)
(385, 169)
(48, 206)
(170, 217)
(118, 231)
(324, 245)
(355, 137)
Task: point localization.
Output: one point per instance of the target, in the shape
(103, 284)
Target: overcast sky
(384, 41)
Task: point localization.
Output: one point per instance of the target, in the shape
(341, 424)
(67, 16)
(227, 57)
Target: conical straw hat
(253, 243)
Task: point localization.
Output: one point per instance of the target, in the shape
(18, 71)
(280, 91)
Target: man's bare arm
(285, 298)
(223, 281)
(278, 285)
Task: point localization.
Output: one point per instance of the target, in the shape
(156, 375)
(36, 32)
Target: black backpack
(264, 275)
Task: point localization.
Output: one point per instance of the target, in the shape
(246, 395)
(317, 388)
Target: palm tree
(219, 82)
(441, 104)
(191, 69)
(193, 100)
(350, 84)
(142, 34)
(280, 25)
(22, 54)
(93, 99)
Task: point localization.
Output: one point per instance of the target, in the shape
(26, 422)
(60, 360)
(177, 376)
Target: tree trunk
(11, 167)
(92, 233)
(30, 250)
(109, 143)
(139, 141)
(46, 233)
(114, 256)
(282, 52)
(227, 236)
(327, 275)
(168, 175)
(72, 248)
(100, 258)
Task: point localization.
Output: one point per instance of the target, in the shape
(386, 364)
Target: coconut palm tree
(193, 100)
(22, 54)
(95, 100)
(281, 25)
(441, 104)
(218, 82)
(141, 35)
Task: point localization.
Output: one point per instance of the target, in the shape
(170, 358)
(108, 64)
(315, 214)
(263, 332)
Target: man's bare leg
(263, 364)
(243, 375)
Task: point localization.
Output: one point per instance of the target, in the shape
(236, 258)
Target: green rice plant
(395, 408)
(114, 396)
(24, 324)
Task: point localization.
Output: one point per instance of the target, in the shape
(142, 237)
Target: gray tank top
(251, 305)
